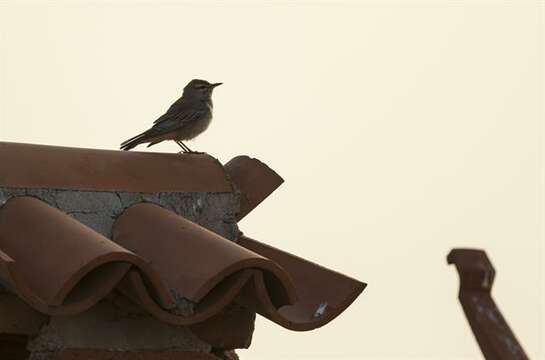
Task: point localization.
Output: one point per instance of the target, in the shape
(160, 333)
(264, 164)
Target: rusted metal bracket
(492, 332)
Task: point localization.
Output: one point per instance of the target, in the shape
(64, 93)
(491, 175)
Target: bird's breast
(194, 128)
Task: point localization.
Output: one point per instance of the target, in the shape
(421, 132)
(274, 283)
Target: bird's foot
(190, 152)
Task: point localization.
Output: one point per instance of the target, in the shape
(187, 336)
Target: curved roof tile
(162, 261)
(255, 181)
(38, 241)
(322, 293)
(41, 166)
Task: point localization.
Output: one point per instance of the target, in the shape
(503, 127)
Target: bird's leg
(182, 145)
(185, 148)
(188, 149)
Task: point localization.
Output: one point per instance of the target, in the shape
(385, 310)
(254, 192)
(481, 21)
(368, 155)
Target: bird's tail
(132, 142)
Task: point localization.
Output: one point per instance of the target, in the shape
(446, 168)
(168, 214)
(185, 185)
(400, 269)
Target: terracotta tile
(322, 293)
(38, 241)
(191, 259)
(255, 181)
(40, 166)
(164, 262)
(82, 354)
(194, 263)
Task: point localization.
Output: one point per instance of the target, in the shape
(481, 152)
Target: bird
(186, 118)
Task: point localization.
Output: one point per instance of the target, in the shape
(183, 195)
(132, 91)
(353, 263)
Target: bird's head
(201, 89)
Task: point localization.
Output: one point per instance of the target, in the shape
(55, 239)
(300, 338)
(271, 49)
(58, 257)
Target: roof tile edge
(56, 167)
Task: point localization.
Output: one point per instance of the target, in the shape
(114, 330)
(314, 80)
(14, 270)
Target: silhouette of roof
(155, 257)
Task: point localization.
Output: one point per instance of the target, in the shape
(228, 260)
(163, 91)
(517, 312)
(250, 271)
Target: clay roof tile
(177, 270)
(41, 166)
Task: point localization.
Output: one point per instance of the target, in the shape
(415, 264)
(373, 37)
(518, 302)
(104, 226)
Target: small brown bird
(189, 116)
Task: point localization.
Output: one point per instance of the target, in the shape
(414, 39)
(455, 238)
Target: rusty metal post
(492, 332)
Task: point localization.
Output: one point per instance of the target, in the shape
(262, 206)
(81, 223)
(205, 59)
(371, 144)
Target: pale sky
(402, 130)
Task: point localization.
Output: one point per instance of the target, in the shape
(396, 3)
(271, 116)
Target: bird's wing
(179, 114)
(163, 127)
(176, 121)
(177, 107)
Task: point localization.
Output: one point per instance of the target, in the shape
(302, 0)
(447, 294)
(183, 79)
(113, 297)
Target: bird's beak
(214, 85)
